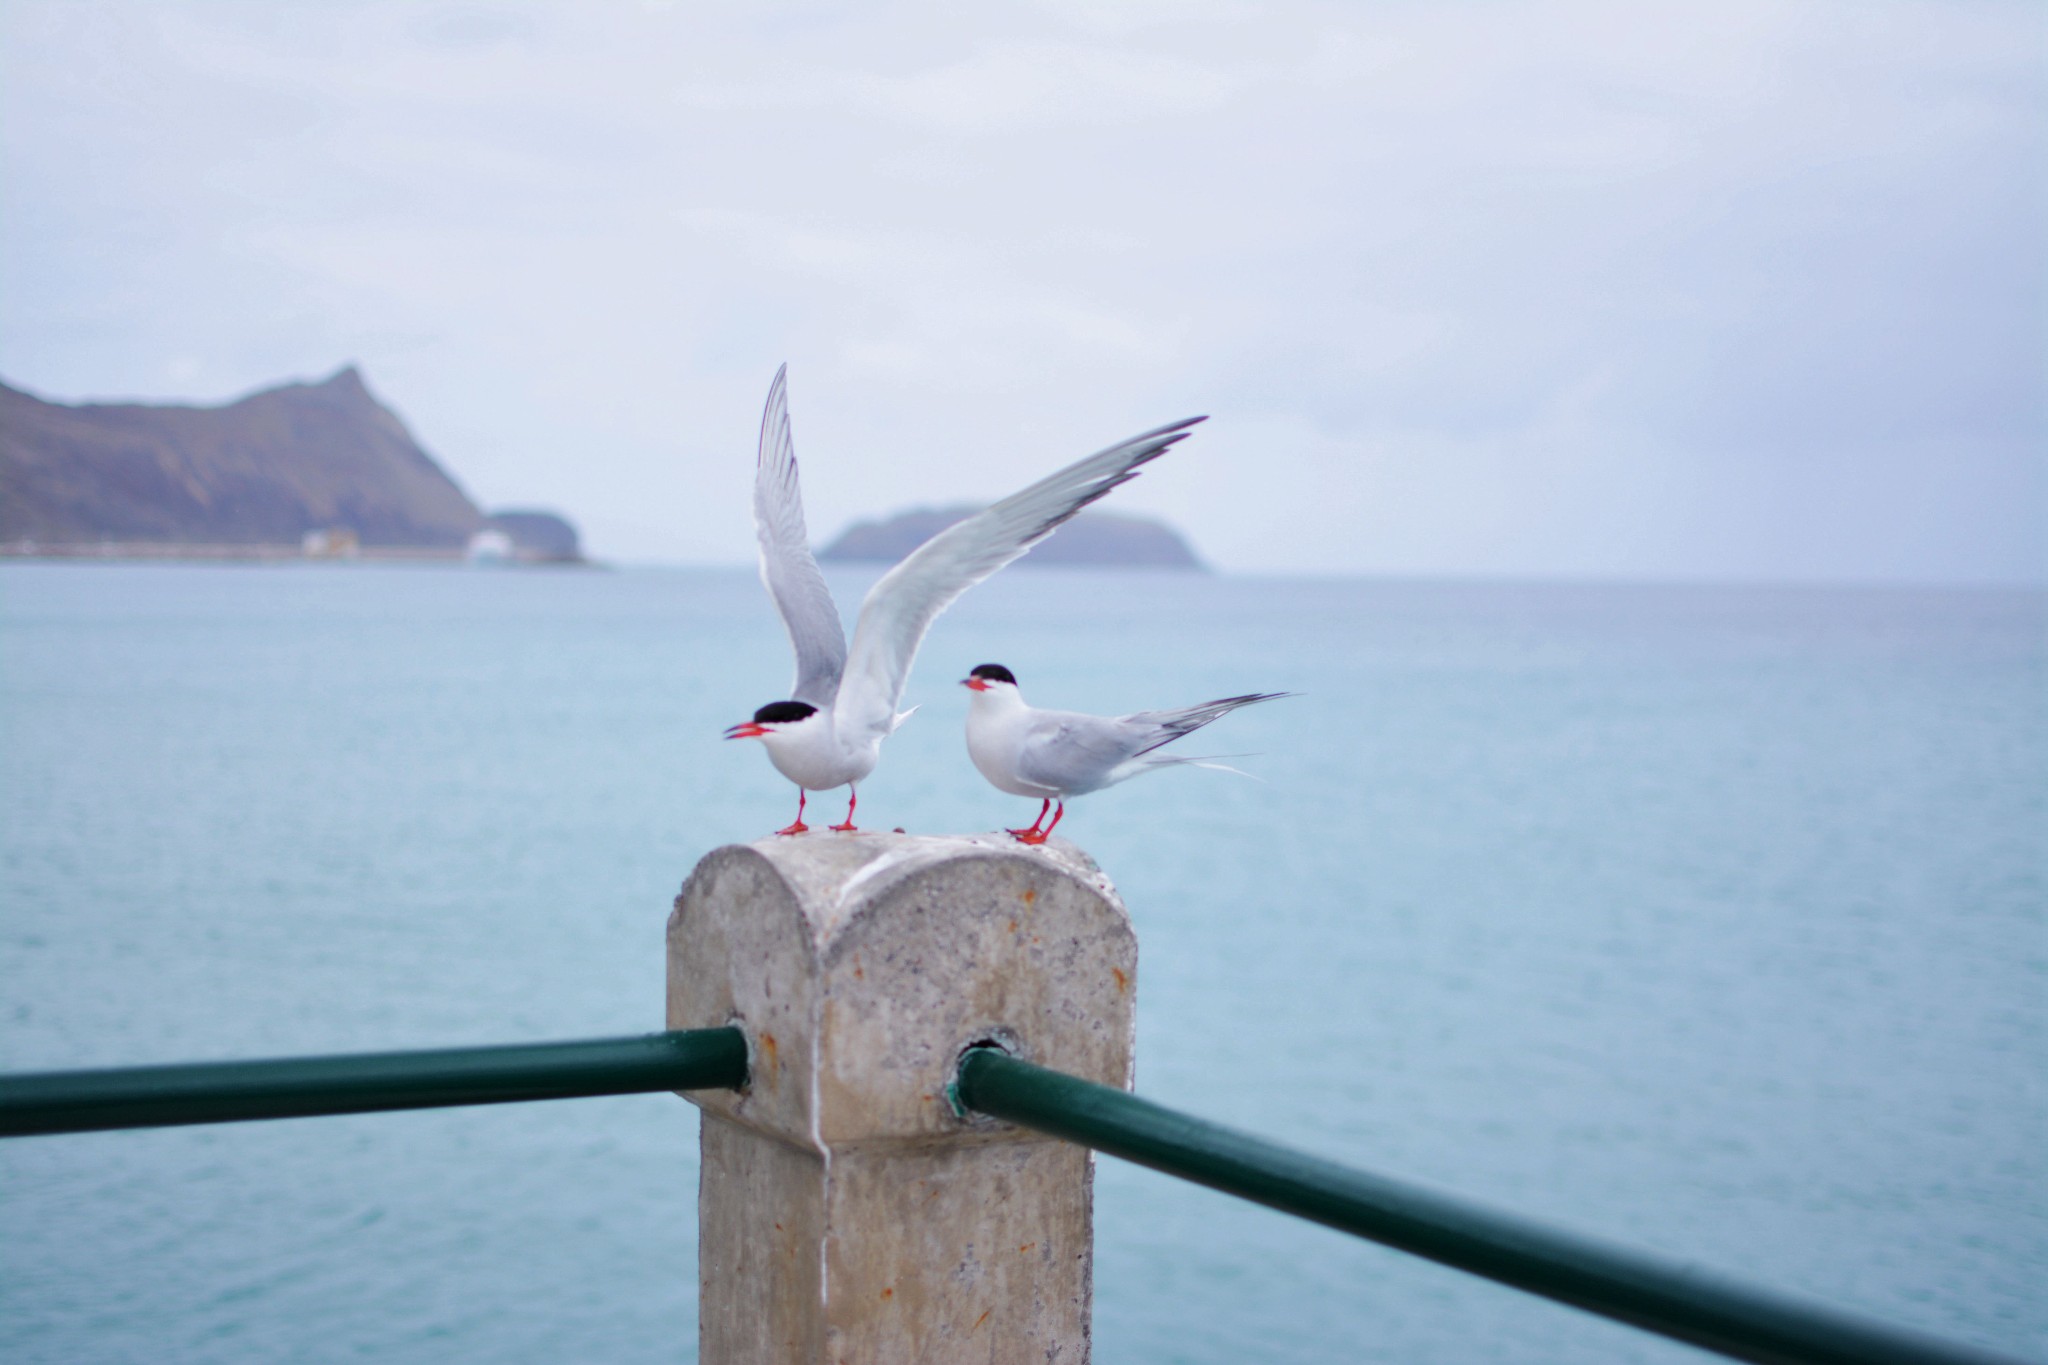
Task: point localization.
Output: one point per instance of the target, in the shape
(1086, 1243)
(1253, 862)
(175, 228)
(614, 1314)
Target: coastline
(132, 550)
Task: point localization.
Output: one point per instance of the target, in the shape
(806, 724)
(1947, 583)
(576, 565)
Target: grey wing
(1077, 753)
(1164, 727)
(787, 566)
(901, 607)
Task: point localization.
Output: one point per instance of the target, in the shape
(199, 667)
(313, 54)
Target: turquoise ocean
(1713, 919)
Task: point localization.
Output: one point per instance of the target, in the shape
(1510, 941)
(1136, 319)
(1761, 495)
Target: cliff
(264, 470)
(1100, 539)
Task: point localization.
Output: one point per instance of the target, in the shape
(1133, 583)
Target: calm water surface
(1711, 919)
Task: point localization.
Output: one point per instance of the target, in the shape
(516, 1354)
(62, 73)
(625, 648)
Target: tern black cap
(994, 673)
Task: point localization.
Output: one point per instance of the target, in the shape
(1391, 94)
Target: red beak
(977, 684)
(746, 729)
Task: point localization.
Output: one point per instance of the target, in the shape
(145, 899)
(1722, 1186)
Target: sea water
(1706, 918)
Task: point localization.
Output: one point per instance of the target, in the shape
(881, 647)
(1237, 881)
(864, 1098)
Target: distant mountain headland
(1101, 539)
(317, 469)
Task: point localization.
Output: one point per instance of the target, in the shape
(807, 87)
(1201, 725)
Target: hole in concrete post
(996, 1040)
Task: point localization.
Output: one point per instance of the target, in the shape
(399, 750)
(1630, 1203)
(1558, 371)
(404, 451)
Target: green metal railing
(1638, 1287)
(1673, 1298)
(295, 1087)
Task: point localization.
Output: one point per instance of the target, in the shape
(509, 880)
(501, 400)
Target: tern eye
(783, 711)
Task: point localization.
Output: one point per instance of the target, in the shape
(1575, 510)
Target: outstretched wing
(901, 607)
(787, 566)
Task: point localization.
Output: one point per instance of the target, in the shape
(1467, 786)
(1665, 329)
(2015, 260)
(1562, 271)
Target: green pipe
(295, 1087)
(1674, 1298)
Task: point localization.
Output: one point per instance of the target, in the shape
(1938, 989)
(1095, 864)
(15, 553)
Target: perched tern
(843, 703)
(1053, 755)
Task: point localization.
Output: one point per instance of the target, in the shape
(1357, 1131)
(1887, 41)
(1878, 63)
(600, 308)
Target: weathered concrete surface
(846, 1213)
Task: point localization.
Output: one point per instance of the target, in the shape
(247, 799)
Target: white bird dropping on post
(1057, 754)
(843, 703)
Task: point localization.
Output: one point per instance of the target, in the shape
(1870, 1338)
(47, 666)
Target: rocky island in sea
(303, 469)
(1093, 539)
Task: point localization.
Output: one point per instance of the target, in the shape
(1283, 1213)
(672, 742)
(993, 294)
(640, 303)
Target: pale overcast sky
(1702, 290)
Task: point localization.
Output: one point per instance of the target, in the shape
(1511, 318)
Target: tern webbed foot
(846, 826)
(1033, 835)
(797, 826)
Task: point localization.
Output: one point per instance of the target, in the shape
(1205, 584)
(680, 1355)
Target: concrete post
(846, 1213)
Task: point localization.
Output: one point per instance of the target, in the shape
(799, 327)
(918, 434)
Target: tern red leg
(1026, 834)
(852, 800)
(797, 826)
(1035, 835)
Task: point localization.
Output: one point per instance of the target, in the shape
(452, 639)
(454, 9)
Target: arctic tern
(843, 702)
(1057, 754)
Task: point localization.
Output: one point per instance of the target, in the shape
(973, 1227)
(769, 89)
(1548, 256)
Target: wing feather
(787, 566)
(1076, 753)
(1164, 727)
(901, 607)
